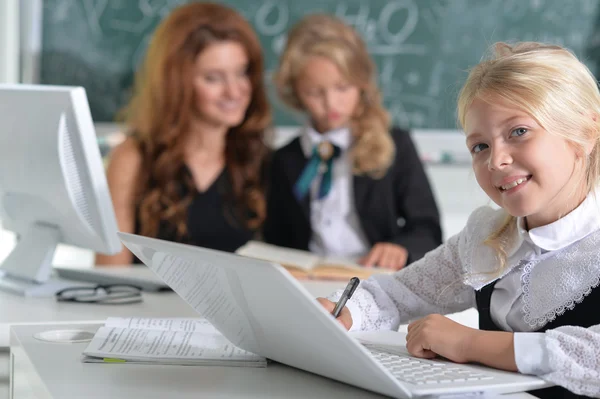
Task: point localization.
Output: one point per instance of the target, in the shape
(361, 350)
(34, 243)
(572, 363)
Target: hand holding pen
(339, 310)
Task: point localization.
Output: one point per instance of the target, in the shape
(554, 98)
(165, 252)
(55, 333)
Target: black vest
(584, 314)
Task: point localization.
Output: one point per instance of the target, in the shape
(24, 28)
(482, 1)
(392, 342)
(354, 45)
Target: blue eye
(478, 148)
(519, 132)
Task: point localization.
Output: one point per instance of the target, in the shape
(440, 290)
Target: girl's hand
(438, 335)
(387, 255)
(344, 318)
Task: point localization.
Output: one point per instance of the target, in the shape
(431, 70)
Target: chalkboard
(422, 48)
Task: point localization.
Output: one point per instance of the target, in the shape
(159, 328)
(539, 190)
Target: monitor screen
(53, 187)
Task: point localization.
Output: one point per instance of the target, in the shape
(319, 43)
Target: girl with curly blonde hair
(349, 185)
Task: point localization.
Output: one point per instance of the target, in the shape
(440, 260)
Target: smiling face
(326, 94)
(222, 85)
(522, 167)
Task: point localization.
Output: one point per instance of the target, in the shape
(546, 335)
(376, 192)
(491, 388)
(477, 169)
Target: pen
(347, 294)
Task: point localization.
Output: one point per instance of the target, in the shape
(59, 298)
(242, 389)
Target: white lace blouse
(549, 270)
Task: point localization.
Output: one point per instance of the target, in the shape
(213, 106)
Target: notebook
(180, 341)
(306, 265)
(261, 308)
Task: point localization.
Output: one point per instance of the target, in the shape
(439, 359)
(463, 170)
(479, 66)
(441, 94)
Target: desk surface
(49, 370)
(21, 310)
(55, 371)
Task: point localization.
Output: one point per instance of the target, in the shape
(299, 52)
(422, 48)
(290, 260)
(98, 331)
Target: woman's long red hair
(160, 113)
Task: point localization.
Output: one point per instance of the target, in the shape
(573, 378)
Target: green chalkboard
(422, 47)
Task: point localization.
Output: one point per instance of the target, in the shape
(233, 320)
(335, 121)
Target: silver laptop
(261, 308)
(138, 275)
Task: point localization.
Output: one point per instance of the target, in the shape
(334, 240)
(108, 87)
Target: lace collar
(563, 277)
(552, 282)
(558, 281)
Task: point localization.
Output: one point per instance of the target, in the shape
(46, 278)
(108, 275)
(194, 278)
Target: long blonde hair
(161, 110)
(327, 36)
(550, 84)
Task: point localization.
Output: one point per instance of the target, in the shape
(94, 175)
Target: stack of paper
(178, 341)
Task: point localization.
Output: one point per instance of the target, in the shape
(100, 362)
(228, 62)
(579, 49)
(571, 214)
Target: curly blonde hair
(549, 83)
(327, 36)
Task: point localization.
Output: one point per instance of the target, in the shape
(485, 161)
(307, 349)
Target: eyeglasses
(113, 294)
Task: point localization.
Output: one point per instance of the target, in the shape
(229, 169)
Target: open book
(180, 341)
(304, 264)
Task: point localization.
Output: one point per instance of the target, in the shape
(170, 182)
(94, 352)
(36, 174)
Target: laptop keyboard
(425, 371)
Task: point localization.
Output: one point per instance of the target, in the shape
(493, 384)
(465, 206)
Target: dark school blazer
(398, 208)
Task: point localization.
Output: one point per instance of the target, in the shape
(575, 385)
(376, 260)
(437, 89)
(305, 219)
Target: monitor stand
(27, 269)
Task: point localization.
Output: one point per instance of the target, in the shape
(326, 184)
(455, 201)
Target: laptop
(138, 275)
(261, 308)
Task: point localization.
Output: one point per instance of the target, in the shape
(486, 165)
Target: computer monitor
(52, 183)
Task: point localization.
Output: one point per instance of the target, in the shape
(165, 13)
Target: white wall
(9, 67)
(9, 41)
(30, 41)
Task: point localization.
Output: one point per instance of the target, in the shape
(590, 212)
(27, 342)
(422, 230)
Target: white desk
(19, 310)
(16, 310)
(45, 370)
(55, 371)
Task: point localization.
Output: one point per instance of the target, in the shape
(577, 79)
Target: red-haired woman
(192, 168)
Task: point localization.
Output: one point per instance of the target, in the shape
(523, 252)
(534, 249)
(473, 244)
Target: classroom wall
(9, 41)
